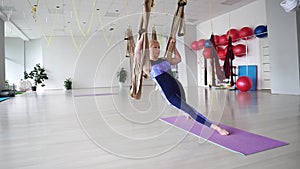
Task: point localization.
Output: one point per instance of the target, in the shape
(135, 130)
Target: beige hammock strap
(178, 25)
(154, 34)
(130, 47)
(137, 67)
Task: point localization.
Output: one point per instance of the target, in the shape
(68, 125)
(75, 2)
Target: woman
(170, 87)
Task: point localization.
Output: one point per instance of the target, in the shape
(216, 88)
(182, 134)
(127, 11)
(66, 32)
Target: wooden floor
(104, 128)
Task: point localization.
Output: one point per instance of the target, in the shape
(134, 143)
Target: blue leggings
(174, 93)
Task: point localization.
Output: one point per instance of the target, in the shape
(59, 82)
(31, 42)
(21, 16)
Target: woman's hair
(152, 42)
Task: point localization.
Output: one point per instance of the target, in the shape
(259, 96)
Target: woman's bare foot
(188, 117)
(221, 131)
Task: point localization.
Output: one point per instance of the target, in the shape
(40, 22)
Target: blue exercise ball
(207, 43)
(261, 31)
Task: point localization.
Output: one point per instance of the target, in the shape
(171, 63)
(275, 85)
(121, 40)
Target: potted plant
(122, 76)
(38, 75)
(68, 84)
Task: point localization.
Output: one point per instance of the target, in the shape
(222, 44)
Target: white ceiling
(79, 17)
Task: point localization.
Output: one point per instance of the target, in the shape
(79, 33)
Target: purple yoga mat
(238, 141)
(99, 94)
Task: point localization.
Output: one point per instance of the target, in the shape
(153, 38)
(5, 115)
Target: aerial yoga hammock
(137, 68)
(215, 64)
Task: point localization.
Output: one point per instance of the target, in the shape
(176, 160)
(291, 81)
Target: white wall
(20, 56)
(284, 49)
(33, 54)
(2, 57)
(250, 15)
(100, 57)
(59, 59)
(298, 35)
(190, 57)
(14, 60)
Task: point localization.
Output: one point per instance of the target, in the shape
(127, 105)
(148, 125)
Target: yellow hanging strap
(211, 17)
(107, 39)
(49, 40)
(91, 18)
(78, 47)
(33, 8)
(229, 24)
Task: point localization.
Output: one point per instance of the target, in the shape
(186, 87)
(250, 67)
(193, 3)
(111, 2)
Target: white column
(284, 35)
(2, 57)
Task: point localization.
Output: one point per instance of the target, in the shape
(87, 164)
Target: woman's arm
(138, 48)
(177, 57)
(137, 55)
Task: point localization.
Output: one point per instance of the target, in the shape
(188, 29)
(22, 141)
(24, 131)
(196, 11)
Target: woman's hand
(173, 40)
(177, 57)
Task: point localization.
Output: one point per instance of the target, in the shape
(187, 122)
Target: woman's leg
(179, 103)
(182, 105)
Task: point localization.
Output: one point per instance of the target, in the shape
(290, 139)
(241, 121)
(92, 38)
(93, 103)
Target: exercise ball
(246, 33)
(207, 53)
(234, 33)
(207, 43)
(195, 45)
(223, 40)
(239, 50)
(221, 53)
(261, 31)
(201, 43)
(216, 39)
(244, 83)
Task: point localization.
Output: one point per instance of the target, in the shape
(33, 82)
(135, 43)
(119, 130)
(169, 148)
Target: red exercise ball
(221, 53)
(246, 33)
(223, 40)
(201, 43)
(216, 39)
(206, 53)
(195, 45)
(234, 33)
(239, 50)
(244, 83)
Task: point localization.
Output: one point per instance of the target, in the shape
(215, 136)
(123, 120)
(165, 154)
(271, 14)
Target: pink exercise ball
(216, 39)
(221, 53)
(239, 50)
(246, 33)
(234, 33)
(223, 40)
(201, 43)
(244, 83)
(207, 53)
(195, 45)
